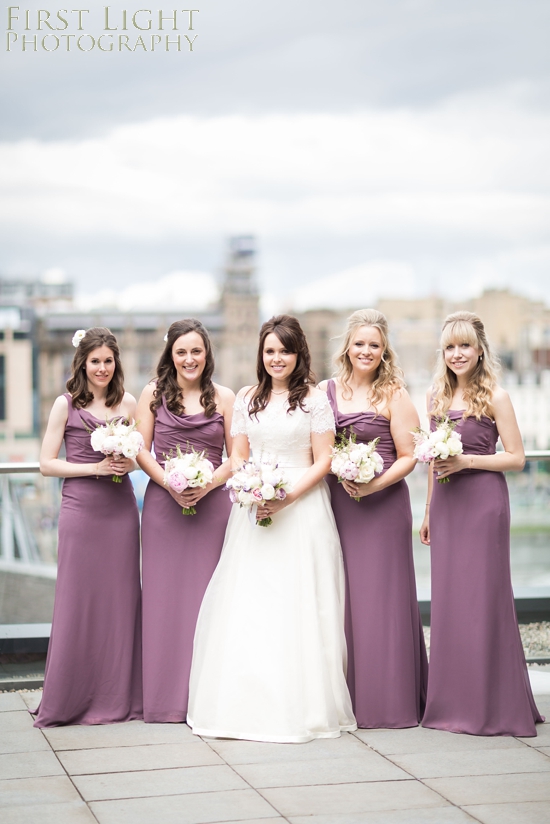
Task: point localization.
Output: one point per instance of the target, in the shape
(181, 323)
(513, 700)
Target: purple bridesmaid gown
(180, 554)
(93, 668)
(387, 669)
(478, 680)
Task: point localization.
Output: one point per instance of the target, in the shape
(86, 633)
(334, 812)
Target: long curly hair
(291, 335)
(465, 327)
(389, 377)
(167, 380)
(77, 385)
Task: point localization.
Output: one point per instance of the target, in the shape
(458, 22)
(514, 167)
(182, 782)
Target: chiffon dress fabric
(478, 681)
(93, 667)
(387, 666)
(270, 653)
(180, 553)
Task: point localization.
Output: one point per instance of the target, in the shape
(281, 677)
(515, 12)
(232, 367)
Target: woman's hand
(425, 529)
(270, 508)
(357, 490)
(118, 465)
(448, 466)
(191, 496)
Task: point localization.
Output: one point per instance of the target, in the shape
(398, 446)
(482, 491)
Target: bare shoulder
(60, 408)
(245, 392)
(148, 391)
(226, 395)
(501, 399)
(128, 405)
(316, 394)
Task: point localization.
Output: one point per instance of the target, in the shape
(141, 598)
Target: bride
(269, 656)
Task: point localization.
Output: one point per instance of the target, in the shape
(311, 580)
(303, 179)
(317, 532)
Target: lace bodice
(282, 434)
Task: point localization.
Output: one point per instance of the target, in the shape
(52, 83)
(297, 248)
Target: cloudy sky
(374, 148)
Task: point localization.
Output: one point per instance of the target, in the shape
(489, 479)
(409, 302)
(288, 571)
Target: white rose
(437, 436)
(77, 337)
(245, 498)
(190, 472)
(366, 474)
(443, 451)
(455, 446)
(268, 492)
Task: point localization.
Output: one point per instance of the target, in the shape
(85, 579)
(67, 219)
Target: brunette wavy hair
(465, 327)
(77, 385)
(389, 377)
(291, 335)
(167, 383)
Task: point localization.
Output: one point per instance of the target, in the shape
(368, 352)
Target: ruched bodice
(366, 426)
(478, 437)
(79, 427)
(197, 430)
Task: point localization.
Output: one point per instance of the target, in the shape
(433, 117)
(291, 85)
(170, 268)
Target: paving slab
(76, 812)
(29, 765)
(198, 808)
(352, 798)
(437, 815)
(253, 752)
(130, 759)
(10, 701)
(24, 741)
(530, 812)
(31, 698)
(422, 739)
(492, 789)
(15, 721)
(542, 738)
(368, 766)
(473, 762)
(26, 791)
(128, 734)
(158, 782)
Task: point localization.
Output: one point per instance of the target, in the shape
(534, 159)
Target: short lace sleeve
(322, 418)
(240, 417)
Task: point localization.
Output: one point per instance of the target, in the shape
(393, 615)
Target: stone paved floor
(161, 774)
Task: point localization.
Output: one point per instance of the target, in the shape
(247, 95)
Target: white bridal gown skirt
(269, 657)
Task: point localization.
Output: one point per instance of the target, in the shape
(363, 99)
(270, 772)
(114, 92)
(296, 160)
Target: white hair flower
(77, 337)
(165, 338)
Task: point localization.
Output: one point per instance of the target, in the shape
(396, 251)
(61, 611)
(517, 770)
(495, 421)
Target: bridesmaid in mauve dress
(478, 680)
(180, 552)
(93, 669)
(387, 668)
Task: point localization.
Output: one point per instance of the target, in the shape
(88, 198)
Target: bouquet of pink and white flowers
(442, 443)
(357, 462)
(118, 437)
(188, 469)
(255, 483)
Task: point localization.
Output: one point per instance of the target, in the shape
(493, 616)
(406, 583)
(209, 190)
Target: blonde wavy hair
(465, 327)
(389, 378)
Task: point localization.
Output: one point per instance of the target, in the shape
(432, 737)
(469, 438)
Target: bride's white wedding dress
(269, 657)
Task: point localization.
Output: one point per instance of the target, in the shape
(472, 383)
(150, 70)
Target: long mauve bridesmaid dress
(180, 553)
(93, 668)
(387, 664)
(478, 680)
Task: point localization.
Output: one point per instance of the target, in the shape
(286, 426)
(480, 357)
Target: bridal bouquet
(187, 469)
(443, 443)
(352, 461)
(117, 437)
(255, 483)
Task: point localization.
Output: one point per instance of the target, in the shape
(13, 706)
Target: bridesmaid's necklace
(282, 392)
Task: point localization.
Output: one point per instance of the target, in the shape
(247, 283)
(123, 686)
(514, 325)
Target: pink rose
(177, 481)
(257, 495)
